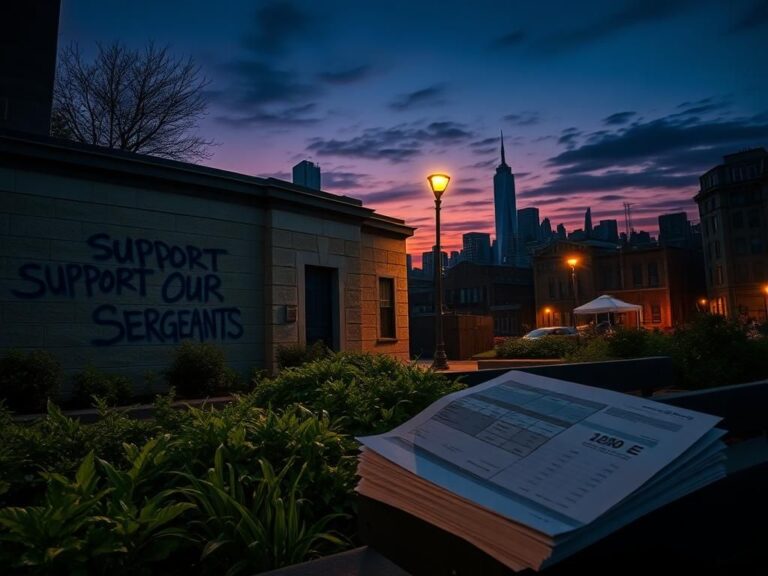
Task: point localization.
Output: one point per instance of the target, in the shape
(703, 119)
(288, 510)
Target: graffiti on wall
(185, 278)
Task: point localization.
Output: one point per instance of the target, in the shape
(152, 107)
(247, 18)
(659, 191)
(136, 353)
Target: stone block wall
(383, 257)
(115, 276)
(295, 242)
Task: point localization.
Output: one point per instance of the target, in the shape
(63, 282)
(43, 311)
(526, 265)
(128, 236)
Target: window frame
(392, 321)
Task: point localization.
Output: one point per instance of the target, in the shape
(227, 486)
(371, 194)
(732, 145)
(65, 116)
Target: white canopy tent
(607, 303)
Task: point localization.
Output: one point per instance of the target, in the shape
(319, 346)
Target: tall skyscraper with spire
(505, 207)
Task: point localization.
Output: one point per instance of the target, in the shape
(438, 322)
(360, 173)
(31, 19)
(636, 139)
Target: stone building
(111, 259)
(733, 205)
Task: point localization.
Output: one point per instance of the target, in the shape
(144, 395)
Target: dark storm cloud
(344, 180)
(668, 142)
(755, 17)
(294, 116)
(397, 193)
(610, 198)
(568, 137)
(632, 13)
(396, 144)
(429, 96)
(619, 180)
(527, 118)
(513, 38)
(466, 225)
(485, 142)
(346, 75)
(258, 82)
(275, 25)
(701, 107)
(477, 204)
(618, 118)
(448, 131)
(668, 153)
(483, 164)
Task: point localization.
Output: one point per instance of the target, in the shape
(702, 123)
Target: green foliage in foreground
(29, 379)
(710, 351)
(368, 393)
(547, 347)
(234, 491)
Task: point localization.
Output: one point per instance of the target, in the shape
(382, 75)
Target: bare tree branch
(143, 101)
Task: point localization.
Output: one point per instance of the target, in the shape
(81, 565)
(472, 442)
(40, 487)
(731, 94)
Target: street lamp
(703, 303)
(438, 183)
(548, 315)
(572, 262)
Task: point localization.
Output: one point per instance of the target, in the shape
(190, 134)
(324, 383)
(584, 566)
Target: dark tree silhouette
(138, 100)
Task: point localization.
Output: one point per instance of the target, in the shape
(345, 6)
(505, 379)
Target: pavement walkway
(453, 365)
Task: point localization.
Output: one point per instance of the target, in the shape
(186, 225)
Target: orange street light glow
(438, 183)
(572, 262)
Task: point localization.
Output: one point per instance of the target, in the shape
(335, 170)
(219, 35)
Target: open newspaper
(532, 469)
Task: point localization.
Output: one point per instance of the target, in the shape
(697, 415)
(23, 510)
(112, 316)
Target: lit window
(387, 308)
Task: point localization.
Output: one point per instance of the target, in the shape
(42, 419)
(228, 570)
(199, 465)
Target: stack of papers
(532, 469)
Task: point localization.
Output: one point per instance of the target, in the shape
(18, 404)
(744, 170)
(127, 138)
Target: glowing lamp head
(765, 289)
(438, 183)
(572, 262)
(547, 310)
(703, 301)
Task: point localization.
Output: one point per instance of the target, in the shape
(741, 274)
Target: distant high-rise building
(546, 230)
(528, 229)
(607, 231)
(561, 232)
(506, 211)
(409, 263)
(588, 223)
(477, 247)
(577, 235)
(428, 262)
(640, 238)
(674, 230)
(307, 173)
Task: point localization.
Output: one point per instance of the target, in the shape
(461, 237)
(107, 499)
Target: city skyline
(600, 103)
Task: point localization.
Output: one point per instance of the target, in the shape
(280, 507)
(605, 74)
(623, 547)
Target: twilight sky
(601, 101)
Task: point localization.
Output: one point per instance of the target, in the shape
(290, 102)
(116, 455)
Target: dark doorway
(321, 305)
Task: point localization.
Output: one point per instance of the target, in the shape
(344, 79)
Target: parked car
(551, 331)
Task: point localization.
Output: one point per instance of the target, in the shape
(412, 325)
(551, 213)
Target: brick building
(503, 292)
(666, 281)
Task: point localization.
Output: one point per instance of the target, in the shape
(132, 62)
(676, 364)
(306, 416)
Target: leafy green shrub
(57, 443)
(547, 347)
(199, 369)
(29, 379)
(114, 389)
(95, 524)
(251, 523)
(592, 349)
(292, 355)
(712, 351)
(369, 393)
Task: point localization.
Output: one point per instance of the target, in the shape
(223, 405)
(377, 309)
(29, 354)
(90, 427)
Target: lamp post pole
(572, 262)
(438, 183)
